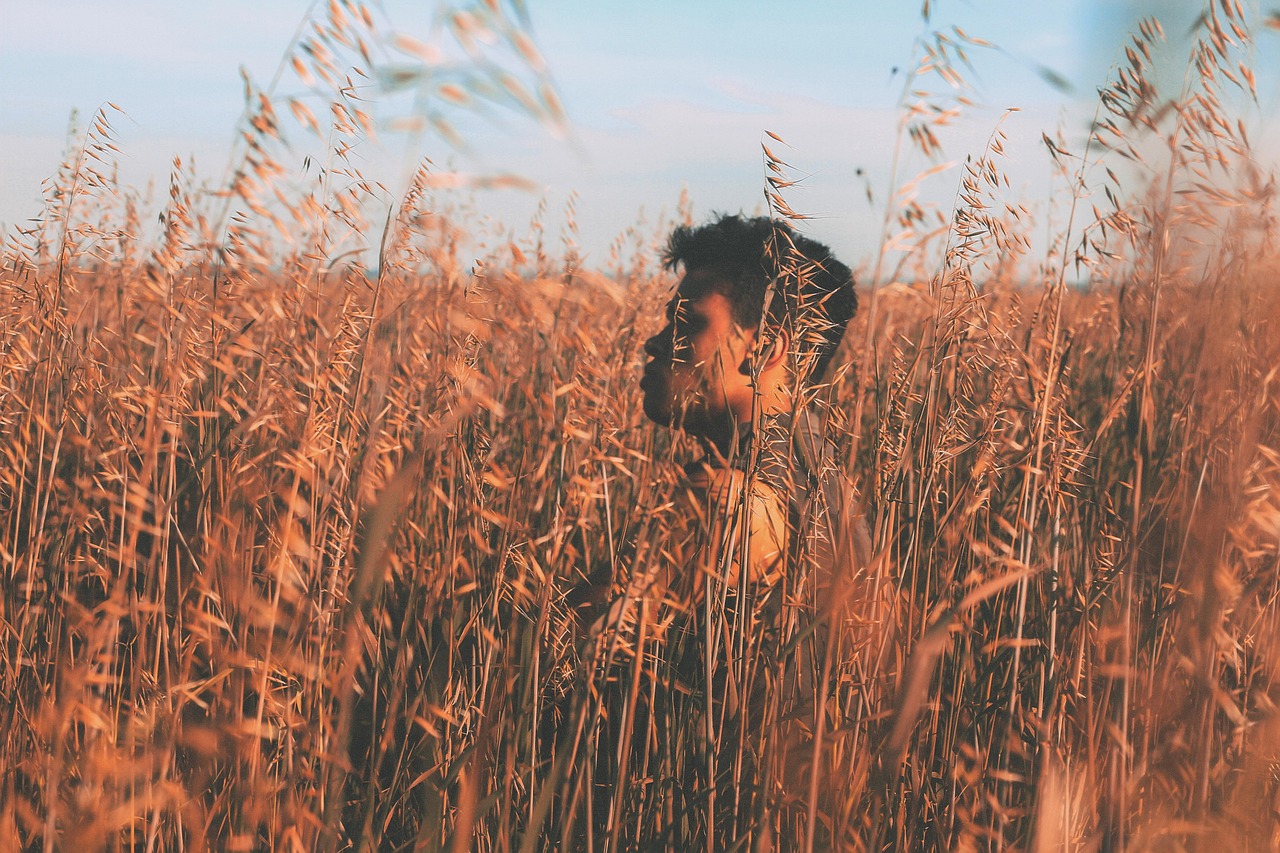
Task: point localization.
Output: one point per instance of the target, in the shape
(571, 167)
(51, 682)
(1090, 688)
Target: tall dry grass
(299, 556)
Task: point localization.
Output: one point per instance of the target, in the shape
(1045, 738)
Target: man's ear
(774, 349)
(770, 352)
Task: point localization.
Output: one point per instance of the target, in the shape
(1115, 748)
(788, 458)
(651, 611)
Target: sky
(662, 96)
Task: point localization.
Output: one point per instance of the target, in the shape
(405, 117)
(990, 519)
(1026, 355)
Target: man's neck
(722, 444)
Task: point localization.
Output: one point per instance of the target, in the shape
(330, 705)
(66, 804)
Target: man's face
(698, 376)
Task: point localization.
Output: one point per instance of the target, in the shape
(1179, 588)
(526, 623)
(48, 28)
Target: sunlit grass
(297, 555)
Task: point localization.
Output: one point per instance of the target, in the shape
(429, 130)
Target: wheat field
(295, 539)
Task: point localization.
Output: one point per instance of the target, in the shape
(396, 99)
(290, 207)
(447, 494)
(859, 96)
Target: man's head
(759, 310)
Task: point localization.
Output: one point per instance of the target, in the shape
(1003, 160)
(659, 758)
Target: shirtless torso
(744, 615)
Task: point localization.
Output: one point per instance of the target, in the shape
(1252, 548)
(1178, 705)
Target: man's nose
(656, 346)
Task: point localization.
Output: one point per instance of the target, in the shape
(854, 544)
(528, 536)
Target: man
(750, 332)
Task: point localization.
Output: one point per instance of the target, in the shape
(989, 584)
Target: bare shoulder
(723, 497)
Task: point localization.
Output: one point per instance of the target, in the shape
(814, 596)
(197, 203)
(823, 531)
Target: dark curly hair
(813, 297)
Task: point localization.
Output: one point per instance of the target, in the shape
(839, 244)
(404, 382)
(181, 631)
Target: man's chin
(661, 412)
(681, 422)
(656, 412)
(660, 408)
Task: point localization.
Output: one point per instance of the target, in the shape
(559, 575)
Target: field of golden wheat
(293, 545)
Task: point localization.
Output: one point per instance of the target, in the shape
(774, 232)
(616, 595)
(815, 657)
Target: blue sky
(661, 94)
